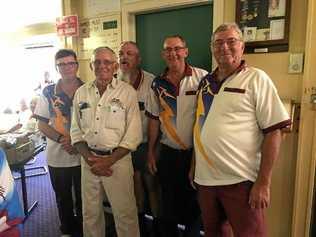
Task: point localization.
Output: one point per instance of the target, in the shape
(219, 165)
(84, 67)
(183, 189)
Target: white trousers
(119, 189)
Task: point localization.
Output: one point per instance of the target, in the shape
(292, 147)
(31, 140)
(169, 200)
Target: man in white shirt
(237, 136)
(53, 112)
(106, 127)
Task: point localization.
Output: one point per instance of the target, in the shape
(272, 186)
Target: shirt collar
(241, 67)
(187, 71)
(58, 88)
(112, 84)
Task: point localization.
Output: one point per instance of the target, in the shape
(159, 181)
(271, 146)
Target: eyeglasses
(230, 42)
(97, 63)
(176, 49)
(69, 64)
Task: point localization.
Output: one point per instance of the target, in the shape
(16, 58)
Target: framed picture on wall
(265, 24)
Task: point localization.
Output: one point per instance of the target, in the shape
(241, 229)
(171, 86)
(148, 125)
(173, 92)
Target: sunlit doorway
(27, 46)
(38, 53)
(29, 68)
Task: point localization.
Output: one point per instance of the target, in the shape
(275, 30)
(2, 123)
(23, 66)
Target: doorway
(24, 76)
(193, 23)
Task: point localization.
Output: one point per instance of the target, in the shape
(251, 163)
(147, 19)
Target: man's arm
(49, 131)
(76, 132)
(15, 128)
(153, 133)
(43, 115)
(83, 149)
(133, 135)
(54, 135)
(192, 170)
(259, 196)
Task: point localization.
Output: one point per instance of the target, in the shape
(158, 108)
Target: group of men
(209, 140)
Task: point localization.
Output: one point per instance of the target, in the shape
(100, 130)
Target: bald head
(132, 44)
(129, 57)
(179, 37)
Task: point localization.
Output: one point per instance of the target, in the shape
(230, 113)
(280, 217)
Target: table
(20, 167)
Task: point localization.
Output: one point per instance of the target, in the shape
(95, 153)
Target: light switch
(296, 63)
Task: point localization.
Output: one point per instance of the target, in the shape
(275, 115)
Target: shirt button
(97, 118)
(95, 132)
(99, 105)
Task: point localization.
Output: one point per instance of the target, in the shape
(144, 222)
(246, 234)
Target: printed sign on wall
(67, 25)
(100, 31)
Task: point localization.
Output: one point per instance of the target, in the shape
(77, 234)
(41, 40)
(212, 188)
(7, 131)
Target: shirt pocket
(186, 105)
(235, 100)
(234, 90)
(115, 118)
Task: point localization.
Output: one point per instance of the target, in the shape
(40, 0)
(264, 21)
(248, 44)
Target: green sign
(109, 25)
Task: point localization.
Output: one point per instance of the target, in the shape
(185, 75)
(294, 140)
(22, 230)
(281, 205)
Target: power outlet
(296, 63)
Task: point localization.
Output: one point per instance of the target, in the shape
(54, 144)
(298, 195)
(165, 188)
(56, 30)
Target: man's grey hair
(176, 36)
(103, 48)
(132, 43)
(228, 26)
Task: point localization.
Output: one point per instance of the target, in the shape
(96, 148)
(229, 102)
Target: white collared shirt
(143, 91)
(231, 124)
(109, 121)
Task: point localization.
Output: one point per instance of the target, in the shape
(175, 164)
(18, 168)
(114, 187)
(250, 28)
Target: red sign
(67, 26)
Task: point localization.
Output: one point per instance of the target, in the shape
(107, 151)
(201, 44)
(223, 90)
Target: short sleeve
(270, 111)
(42, 109)
(152, 105)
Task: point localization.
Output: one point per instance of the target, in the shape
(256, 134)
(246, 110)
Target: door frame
(306, 157)
(130, 10)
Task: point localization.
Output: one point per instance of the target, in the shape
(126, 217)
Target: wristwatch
(58, 138)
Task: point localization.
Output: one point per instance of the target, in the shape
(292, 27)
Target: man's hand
(259, 196)
(151, 162)
(15, 128)
(260, 192)
(65, 142)
(101, 165)
(153, 134)
(6, 224)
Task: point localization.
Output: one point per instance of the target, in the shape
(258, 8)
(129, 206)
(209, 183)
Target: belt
(102, 153)
(176, 150)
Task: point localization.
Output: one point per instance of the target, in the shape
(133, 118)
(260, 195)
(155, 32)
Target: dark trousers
(63, 179)
(179, 199)
(230, 203)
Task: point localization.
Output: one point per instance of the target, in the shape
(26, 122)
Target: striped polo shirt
(175, 107)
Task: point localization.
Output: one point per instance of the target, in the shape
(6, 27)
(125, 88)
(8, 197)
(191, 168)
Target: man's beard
(124, 76)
